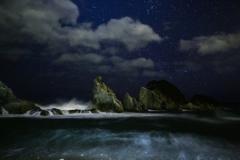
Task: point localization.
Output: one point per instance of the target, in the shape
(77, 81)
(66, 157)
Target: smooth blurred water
(188, 136)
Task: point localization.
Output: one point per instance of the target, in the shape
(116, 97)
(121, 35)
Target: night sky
(54, 49)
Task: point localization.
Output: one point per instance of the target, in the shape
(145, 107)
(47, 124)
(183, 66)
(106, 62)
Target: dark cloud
(78, 58)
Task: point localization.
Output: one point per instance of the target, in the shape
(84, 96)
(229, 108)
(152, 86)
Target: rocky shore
(156, 96)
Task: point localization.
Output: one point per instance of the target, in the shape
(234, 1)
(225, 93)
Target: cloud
(212, 44)
(133, 34)
(54, 25)
(227, 64)
(80, 58)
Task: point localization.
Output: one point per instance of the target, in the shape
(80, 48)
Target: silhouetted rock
(104, 99)
(131, 104)
(205, 102)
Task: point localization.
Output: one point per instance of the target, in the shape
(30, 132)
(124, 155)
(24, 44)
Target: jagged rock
(19, 107)
(131, 104)
(6, 94)
(205, 102)
(104, 99)
(56, 111)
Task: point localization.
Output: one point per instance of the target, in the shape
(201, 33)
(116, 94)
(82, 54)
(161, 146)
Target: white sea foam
(72, 104)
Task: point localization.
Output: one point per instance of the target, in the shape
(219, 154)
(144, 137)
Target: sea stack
(104, 99)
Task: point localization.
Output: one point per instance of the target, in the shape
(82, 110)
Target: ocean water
(180, 136)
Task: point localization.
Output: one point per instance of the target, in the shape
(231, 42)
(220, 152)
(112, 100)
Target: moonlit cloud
(212, 44)
(80, 46)
(133, 34)
(54, 23)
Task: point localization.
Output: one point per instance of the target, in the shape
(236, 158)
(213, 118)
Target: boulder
(104, 99)
(131, 104)
(56, 111)
(44, 113)
(94, 111)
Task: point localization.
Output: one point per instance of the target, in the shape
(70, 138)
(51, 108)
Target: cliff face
(104, 99)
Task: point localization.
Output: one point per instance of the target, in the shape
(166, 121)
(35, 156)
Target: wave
(104, 144)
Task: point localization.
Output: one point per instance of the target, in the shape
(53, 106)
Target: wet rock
(94, 111)
(44, 113)
(56, 111)
(73, 111)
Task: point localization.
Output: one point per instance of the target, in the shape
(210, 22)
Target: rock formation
(6, 94)
(10, 104)
(19, 107)
(132, 105)
(157, 96)
(150, 99)
(104, 99)
(162, 95)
